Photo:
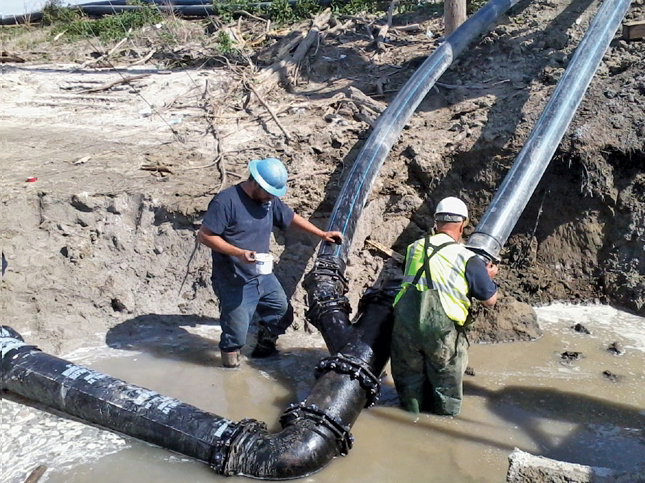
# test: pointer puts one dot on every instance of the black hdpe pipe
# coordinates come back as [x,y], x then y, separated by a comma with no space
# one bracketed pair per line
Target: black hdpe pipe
[500,218]
[186,8]
[325,284]
[183,10]
[314,431]
[389,125]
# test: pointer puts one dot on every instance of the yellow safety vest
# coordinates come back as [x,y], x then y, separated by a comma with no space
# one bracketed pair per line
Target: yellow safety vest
[447,272]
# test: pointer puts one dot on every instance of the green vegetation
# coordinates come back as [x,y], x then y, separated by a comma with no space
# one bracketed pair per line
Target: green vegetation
[74,24]
[352,7]
[473,5]
[224,43]
[8,33]
[282,12]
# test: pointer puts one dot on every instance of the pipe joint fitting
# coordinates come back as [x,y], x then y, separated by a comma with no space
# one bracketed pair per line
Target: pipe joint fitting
[380,296]
[321,307]
[326,288]
[356,369]
[300,412]
[326,276]
[223,456]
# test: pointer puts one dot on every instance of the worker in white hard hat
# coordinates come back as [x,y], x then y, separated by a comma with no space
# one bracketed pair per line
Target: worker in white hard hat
[237,228]
[429,344]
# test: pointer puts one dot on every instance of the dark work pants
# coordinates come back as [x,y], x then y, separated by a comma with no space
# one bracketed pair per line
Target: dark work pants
[429,355]
[239,303]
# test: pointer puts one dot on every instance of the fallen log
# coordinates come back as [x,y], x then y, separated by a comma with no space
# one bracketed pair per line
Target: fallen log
[7,57]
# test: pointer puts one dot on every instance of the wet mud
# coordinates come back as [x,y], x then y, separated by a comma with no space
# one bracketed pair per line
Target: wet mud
[522,395]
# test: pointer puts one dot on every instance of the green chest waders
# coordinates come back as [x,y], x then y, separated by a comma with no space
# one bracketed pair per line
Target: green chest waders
[428,355]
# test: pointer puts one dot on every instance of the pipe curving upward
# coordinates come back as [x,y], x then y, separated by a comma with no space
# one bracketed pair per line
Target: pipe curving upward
[353,196]
[325,284]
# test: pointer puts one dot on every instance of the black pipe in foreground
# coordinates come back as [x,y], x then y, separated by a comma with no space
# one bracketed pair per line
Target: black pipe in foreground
[513,195]
[314,431]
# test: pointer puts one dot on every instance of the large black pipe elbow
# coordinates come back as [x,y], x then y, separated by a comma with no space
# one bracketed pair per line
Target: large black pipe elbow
[298,450]
[318,429]
[314,431]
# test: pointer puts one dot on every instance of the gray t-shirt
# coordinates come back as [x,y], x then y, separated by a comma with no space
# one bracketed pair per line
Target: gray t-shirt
[246,224]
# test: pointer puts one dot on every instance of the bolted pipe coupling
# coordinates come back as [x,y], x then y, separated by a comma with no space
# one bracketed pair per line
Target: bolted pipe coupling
[326,288]
[356,369]
[229,437]
[299,412]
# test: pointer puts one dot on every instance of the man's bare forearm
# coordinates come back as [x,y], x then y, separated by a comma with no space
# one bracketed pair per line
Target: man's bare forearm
[217,243]
[309,227]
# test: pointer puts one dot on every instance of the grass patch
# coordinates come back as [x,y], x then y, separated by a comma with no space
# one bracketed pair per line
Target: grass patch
[11,32]
[284,12]
[19,38]
[74,24]
[281,12]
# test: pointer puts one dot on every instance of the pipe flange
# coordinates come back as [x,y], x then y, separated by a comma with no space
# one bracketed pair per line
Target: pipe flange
[326,270]
[329,305]
[297,412]
[222,453]
[356,369]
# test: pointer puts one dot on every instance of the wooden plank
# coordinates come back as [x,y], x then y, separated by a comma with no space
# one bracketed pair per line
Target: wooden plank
[388,251]
[634,30]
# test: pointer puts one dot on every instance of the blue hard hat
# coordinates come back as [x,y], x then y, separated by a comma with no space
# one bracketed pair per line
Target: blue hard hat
[270,174]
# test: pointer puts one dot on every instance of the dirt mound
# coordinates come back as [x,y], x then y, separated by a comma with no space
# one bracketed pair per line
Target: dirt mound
[508,321]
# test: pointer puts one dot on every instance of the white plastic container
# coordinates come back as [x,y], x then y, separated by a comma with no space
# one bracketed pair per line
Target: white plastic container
[264,263]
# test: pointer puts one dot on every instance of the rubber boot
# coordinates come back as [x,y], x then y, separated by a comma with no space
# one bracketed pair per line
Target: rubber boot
[231,360]
[266,344]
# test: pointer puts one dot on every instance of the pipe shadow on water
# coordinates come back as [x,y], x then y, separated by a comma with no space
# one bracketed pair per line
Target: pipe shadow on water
[164,336]
[597,432]
[603,432]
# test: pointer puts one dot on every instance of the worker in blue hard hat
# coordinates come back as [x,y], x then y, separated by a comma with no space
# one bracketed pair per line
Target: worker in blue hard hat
[429,344]
[237,228]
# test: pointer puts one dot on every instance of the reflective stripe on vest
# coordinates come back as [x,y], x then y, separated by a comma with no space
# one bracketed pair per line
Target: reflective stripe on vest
[448,273]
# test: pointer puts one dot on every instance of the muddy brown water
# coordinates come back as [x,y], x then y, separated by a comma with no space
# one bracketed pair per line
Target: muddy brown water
[522,395]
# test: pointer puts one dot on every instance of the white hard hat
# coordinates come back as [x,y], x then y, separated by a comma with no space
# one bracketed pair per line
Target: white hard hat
[451,209]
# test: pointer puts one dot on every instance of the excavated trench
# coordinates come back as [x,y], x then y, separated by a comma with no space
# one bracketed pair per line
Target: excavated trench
[127,237]
[125,260]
